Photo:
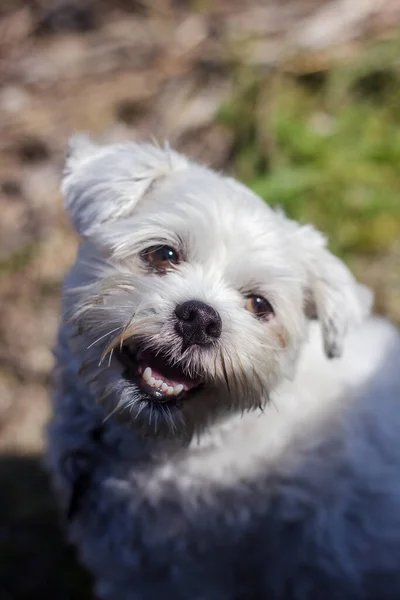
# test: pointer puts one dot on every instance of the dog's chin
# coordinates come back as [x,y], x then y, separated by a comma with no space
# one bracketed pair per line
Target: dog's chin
[159,382]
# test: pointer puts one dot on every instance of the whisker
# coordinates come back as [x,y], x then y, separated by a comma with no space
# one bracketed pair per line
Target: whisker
[235,381]
[105,395]
[260,383]
[114,410]
[102,337]
[132,329]
[223,364]
[155,422]
[215,366]
[171,422]
[243,379]
[142,406]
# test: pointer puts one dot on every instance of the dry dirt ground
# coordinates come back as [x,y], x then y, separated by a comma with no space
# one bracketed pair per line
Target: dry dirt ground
[121,70]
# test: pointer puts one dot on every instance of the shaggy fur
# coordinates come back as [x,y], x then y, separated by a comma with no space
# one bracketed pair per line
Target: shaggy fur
[278,479]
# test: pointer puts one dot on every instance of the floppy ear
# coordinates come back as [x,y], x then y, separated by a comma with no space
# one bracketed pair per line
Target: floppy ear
[104,183]
[332,294]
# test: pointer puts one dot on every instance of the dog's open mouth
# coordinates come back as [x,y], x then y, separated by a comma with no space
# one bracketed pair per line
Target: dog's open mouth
[156,377]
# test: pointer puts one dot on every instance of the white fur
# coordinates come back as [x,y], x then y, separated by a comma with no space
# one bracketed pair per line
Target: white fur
[279,427]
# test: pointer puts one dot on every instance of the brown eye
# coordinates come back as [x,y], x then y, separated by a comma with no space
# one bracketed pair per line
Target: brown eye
[260,307]
[160,258]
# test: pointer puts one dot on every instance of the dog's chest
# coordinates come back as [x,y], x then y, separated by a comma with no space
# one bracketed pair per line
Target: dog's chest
[222,459]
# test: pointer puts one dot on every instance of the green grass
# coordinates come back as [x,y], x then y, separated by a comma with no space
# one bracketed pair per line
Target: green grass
[18,260]
[326,146]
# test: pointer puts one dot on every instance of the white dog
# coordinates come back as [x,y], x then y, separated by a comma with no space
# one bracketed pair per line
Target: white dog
[204,445]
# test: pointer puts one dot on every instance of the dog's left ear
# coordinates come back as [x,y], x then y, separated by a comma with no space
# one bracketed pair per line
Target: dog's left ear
[332,294]
[104,183]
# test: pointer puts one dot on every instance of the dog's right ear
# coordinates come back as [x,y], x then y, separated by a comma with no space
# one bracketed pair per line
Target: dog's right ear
[104,183]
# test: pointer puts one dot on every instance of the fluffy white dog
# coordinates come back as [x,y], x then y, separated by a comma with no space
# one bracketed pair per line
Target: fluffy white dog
[204,444]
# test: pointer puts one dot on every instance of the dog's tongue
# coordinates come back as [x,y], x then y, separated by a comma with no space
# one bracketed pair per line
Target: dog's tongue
[172,375]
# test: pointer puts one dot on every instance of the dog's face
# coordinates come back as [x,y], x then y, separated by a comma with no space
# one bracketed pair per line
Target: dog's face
[190,296]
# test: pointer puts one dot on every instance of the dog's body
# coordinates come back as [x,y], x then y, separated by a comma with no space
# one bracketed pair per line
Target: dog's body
[269,470]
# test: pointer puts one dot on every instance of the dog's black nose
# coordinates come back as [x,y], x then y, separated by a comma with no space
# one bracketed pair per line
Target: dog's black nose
[198,323]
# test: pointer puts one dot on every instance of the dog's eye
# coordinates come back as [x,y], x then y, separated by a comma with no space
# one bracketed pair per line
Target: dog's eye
[259,306]
[160,257]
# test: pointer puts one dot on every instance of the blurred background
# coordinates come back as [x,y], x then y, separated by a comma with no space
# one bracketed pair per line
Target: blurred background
[298,98]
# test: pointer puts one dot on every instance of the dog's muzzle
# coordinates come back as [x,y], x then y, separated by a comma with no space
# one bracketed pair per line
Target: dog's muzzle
[197,324]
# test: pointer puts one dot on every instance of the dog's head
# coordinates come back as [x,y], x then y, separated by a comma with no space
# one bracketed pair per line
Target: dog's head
[190,296]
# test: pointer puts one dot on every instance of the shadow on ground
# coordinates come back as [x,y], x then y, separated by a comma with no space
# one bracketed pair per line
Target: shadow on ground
[35,561]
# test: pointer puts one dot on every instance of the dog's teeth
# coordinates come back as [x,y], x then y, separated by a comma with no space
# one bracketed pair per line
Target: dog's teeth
[160,384]
[147,374]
